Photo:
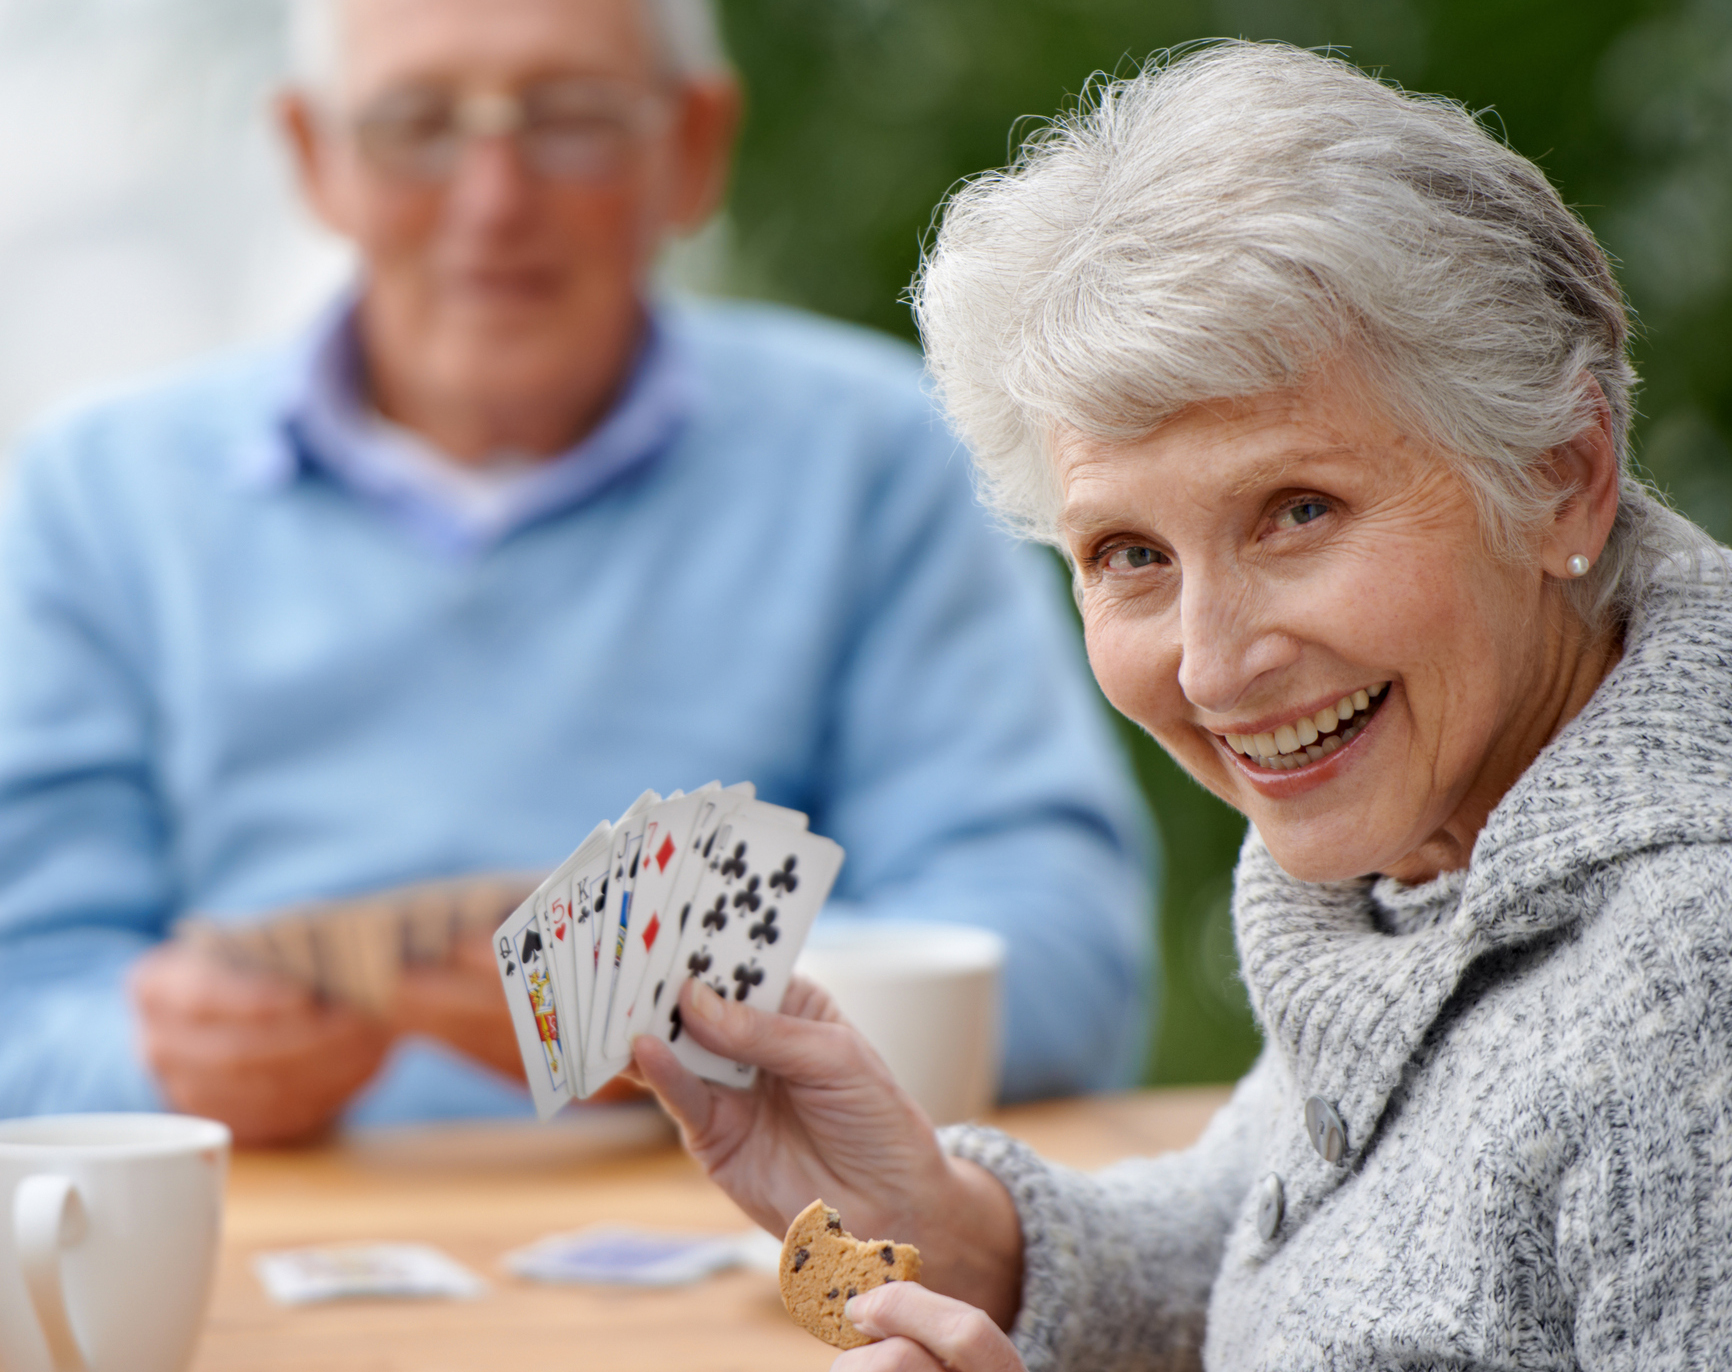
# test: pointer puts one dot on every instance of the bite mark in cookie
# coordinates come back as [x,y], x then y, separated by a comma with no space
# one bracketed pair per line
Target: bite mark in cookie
[823,1267]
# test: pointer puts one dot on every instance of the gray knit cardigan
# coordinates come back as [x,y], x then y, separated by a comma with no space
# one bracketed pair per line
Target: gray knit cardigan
[1534,1079]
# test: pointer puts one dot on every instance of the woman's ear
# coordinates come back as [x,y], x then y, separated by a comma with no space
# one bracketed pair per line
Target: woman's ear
[1586,471]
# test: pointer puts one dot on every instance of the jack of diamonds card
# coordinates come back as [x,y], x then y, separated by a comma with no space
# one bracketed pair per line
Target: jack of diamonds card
[608,896]
[521,955]
[761,889]
[628,841]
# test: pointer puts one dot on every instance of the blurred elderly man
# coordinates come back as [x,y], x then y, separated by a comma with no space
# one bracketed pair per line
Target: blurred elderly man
[502,541]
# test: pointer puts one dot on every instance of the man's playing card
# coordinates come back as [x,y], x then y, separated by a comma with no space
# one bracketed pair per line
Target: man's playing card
[761,888]
[297,952]
[522,957]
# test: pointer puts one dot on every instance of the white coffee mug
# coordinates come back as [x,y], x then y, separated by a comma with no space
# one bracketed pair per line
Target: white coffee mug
[108,1240]
[926,996]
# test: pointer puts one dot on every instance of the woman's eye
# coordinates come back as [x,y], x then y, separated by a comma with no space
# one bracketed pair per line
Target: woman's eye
[1130,559]
[1302,513]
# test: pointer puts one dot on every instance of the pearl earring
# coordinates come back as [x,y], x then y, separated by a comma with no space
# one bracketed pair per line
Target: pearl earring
[1578,565]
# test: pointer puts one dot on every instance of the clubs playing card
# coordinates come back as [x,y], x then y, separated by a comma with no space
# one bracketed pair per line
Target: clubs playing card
[715,811]
[715,884]
[522,957]
[760,890]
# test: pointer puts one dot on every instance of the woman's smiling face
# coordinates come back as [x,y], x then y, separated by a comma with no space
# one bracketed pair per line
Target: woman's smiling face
[1250,573]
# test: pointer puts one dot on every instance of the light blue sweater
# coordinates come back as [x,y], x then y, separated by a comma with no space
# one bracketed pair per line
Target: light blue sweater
[225,691]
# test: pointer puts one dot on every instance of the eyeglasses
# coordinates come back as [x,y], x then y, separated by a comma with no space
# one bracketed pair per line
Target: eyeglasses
[567,130]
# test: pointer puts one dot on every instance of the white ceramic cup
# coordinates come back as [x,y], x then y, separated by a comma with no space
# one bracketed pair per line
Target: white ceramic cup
[108,1240]
[927,997]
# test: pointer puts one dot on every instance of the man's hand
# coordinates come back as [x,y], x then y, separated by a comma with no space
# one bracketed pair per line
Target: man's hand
[462,1004]
[826,1119]
[922,1331]
[256,1052]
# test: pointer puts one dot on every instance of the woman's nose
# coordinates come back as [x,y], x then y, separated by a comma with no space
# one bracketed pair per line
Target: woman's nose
[1229,636]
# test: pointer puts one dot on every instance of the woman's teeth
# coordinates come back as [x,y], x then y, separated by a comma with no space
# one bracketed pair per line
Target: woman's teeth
[1306,740]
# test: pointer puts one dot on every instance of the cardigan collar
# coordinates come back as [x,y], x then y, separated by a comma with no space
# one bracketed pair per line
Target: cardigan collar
[1647,762]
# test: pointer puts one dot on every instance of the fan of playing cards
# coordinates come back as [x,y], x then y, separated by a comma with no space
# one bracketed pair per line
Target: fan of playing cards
[352,951]
[713,884]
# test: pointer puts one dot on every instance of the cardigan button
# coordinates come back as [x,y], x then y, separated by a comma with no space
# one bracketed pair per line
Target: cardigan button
[1328,1135]
[1271,1203]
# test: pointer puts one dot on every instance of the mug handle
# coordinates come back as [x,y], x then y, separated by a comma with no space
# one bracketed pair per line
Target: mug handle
[47,1216]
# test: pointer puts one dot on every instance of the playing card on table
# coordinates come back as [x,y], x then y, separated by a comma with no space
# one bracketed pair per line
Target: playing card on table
[299,1276]
[761,889]
[610,1255]
[521,954]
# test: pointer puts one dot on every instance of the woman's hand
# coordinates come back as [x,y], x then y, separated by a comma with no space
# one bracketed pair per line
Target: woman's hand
[826,1119]
[921,1331]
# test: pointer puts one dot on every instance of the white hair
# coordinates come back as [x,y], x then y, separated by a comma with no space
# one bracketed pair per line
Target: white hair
[686,30]
[1231,220]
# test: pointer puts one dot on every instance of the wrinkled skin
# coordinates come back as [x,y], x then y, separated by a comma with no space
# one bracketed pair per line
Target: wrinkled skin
[1244,563]
[825,1119]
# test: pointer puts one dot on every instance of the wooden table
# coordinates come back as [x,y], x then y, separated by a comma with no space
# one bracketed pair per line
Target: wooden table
[478,1202]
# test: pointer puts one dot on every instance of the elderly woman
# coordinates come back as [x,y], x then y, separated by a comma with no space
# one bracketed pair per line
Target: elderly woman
[1323,392]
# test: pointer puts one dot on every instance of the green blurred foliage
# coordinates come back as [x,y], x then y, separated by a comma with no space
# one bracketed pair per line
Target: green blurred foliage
[864,112]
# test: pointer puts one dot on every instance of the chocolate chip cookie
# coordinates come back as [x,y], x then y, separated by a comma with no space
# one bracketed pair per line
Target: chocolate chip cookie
[822,1266]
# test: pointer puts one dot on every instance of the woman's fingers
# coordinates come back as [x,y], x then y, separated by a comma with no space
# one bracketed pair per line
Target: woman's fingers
[807,1000]
[807,1051]
[688,1097]
[888,1355]
[958,1336]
